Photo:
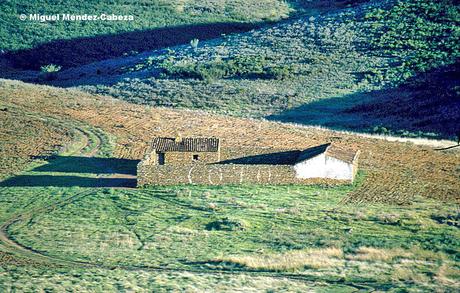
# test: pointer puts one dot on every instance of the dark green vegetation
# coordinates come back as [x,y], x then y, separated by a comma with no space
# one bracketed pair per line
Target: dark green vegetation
[156,24]
[236,67]
[423,34]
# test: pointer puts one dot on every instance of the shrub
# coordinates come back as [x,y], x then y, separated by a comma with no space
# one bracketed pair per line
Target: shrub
[194,43]
[49,72]
[280,72]
[381,130]
[227,224]
[451,219]
[50,68]
[241,66]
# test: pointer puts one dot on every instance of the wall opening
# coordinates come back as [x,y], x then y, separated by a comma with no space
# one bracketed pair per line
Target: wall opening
[161,158]
[196,157]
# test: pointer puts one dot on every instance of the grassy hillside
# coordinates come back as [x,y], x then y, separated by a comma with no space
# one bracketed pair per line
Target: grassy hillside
[427,105]
[72,229]
[299,240]
[283,70]
[156,24]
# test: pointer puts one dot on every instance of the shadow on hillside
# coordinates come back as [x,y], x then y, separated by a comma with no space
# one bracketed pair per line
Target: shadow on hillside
[66,181]
[80,51]
[84,50]
[278,158]
[425,104]
[61,169]
[71,164]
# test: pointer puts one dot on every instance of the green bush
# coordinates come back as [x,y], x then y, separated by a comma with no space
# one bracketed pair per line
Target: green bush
[280,72]
[50,68]
[227,224]
[381,130]
[49,72]
[250,66]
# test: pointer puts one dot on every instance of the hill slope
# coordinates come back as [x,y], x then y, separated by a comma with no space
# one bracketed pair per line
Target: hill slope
[56,234]
[283,71]
[395,172]
[154,24]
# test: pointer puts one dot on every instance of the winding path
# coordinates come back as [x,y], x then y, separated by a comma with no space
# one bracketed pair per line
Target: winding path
[31,254]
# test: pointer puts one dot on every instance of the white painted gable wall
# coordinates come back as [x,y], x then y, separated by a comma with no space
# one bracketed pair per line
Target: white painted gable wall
[312,168]
[324,167]
[338,169]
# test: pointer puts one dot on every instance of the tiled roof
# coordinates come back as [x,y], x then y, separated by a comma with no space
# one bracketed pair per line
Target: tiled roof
[346,155]
[188,144]
[330,150]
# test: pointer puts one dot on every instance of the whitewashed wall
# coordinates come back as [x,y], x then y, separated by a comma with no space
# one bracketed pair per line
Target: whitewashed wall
[337,169]
[312,168]
[322,166]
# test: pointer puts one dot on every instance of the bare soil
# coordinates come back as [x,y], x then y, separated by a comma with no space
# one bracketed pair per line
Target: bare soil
[395,172]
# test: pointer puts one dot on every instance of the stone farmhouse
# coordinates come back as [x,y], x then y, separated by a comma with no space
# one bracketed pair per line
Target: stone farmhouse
[178,151]
[171,161]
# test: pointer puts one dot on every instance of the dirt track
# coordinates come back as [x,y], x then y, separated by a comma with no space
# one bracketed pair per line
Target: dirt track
[80,150]
[394,170]
[32,255]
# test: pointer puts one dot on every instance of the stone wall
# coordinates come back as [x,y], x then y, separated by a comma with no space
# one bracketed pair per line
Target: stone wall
[218,174]
[179,158]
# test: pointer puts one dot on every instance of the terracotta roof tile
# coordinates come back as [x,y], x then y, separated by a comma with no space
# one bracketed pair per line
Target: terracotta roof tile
[346,155]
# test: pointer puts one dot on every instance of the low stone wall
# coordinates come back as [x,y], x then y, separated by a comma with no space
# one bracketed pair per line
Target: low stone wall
[218,174]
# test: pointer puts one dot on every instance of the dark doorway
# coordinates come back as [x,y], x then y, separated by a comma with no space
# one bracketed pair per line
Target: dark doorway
[161,158]
[196,157]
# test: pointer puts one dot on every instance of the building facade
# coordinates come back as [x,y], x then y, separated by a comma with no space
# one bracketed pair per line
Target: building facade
[197,161]
[327,161]
[182,151]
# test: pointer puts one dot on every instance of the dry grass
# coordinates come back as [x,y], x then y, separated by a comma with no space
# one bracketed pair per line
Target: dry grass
[23,135]
[448,274]
[409,275]
[395,172]
[292,260]
[378,254]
